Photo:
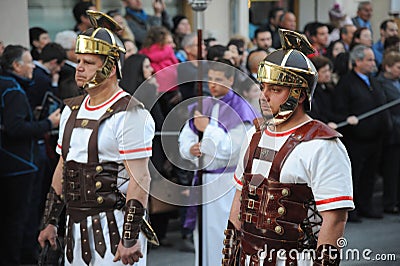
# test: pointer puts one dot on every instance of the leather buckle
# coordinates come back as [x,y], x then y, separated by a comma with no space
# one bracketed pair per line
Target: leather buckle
[228,232]
[74,197]
[250,204]
[127,235]
[128,227]
[72,173]
[248,217]
[252,190]
[227,251]
[73,185]
[132,209]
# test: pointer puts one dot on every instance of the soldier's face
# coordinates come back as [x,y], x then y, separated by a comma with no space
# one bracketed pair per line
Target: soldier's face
[87,66]
[272,97]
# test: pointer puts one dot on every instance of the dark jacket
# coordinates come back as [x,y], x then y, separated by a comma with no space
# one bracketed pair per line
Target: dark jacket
[19,129]
[322,106]
[392,93]
[354,97]
[42,83]
[67,87]
[139,26]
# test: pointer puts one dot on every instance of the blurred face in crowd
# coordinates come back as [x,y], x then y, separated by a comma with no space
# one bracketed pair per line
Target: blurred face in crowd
[275,20]
[44,39]
[349,35]
[130,48]
[219,84]
[365,13]
[394,70]
[71,55]
[391,30]
[170,41]
[134,4]
[289,21]
[338,48]
[365,38]
[322,37]
[324,74]
[264,40]
[192,49]
[391,65]
[147,69]
[367,64]
[55,66]
[183,27]
[24,67]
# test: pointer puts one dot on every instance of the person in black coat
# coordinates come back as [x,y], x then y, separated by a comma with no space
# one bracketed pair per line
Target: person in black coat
[388,81]
[354,95]
[19,135]
[322,103]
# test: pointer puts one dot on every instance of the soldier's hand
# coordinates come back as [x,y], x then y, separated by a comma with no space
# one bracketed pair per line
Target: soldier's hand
[129,255]
[48,234]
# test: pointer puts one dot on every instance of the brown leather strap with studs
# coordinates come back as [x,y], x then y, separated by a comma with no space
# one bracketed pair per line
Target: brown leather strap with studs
[98,236]
[327,255]
[69,242]
[86,253]
[113,231]
[231,246]
[132,221]
[54,207]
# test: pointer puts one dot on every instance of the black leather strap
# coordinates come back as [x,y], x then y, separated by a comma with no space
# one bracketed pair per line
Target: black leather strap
[132,222]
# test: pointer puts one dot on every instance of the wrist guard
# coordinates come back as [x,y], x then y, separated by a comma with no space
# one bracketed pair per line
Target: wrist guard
[53,208]
[327,255]
[132,222]
[230,251]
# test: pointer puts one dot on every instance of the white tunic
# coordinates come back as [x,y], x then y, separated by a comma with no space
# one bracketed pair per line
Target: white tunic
[220,149]
[125,135]
[322,164]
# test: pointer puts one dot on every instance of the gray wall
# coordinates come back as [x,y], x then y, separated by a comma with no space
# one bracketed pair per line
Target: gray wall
[14,22]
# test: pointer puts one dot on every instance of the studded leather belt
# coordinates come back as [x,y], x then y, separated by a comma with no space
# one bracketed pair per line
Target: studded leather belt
[90,189]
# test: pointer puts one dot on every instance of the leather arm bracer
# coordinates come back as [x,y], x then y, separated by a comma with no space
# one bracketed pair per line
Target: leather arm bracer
[132,222]
[327,255]
[53,208]
[231,245]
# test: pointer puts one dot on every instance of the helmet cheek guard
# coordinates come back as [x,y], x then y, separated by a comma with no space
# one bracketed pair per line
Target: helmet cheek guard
[291,68]
[101,41]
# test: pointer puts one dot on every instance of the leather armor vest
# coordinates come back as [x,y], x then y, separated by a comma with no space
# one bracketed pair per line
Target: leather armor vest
[91,188]
[273,214]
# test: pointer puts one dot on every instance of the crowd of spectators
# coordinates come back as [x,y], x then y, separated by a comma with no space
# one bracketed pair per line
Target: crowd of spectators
[355,76]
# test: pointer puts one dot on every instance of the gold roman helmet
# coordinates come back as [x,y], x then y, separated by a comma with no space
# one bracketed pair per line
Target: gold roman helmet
[102,40]
[290,67]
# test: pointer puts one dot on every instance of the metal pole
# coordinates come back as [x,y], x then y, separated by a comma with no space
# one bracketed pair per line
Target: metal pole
[200,171]
[372,112]
[199,6]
